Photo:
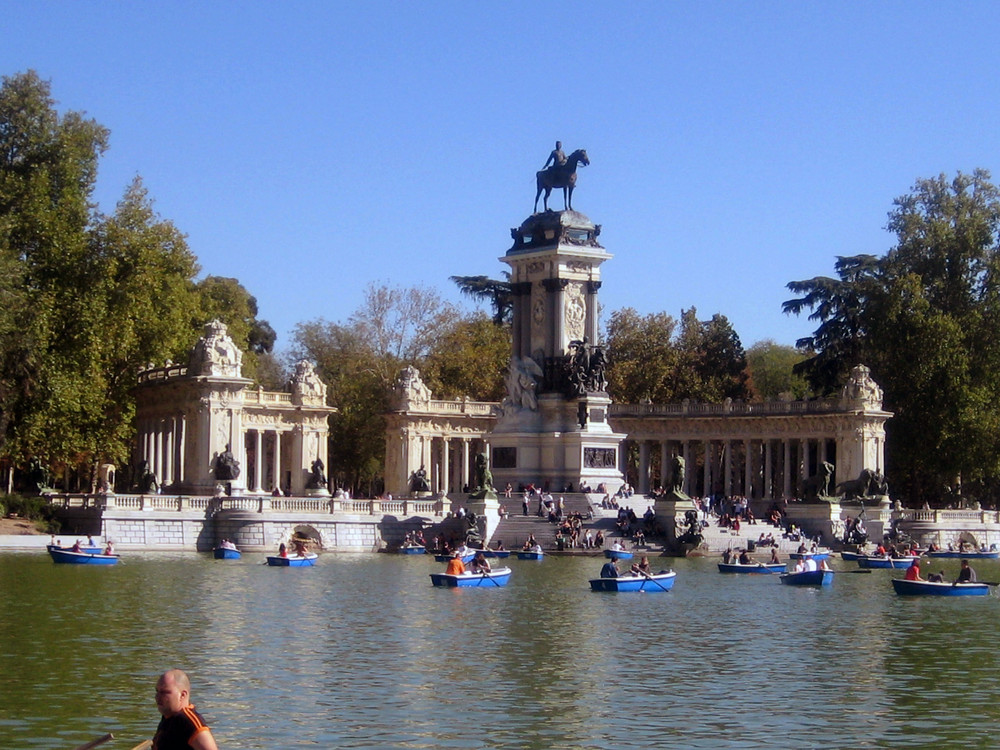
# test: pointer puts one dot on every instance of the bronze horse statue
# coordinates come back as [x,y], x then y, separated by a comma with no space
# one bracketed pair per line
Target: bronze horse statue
[560,176]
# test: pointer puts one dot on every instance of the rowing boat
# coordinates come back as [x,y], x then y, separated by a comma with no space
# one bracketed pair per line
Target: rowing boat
[808,578]
[530,555]
[413,549]
[292,561]
[657,582]
[226,553]
[935,588]
[752,568]
[954,555]
[898,563]
[617,554]
[81,558]
[498,577]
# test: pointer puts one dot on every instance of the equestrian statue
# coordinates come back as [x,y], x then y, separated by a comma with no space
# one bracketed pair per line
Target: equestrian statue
[562,174]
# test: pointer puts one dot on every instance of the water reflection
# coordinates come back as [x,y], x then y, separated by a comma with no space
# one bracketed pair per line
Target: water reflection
[361,651]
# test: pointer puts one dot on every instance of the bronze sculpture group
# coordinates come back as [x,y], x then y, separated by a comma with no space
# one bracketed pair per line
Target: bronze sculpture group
[562,174]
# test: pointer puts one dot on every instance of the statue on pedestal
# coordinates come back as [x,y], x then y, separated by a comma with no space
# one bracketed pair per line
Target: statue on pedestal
[418,481]
[227,468]
[559,175]
[317,479]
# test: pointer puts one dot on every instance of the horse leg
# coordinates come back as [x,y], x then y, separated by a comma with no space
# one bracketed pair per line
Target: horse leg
[568,191]
[545,201]
[535,210]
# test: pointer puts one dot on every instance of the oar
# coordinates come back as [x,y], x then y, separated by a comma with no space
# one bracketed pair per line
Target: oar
[650,578]
[145,745]
[98,741]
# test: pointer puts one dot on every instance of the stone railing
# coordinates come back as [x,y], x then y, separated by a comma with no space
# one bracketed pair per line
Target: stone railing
[733,408]
[162,373]
[266,398]
[251,504]
[948,516]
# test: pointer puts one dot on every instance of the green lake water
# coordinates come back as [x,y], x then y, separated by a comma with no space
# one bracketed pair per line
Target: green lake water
[362,652]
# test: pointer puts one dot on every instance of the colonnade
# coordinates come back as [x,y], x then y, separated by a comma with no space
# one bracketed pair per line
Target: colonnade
[161,441]
[448,461]
[755,468]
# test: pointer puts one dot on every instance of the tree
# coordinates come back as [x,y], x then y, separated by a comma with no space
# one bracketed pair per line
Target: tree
[643,357]
[771,367]
[360,361]
[924,318]
[226,299]
[496,292]
[468,358]
[713,365]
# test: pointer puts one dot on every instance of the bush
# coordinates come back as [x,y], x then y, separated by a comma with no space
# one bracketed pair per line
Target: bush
[32,508]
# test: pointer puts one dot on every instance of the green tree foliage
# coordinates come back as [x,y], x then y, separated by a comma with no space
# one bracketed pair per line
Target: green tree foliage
[653,358]
[86,299]
[496,292]
[468,358]
[226,299]
[771,367]
[924,318]
[360,361]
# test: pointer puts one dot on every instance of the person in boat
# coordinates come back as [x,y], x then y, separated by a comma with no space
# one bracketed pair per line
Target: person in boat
[966,574]
[529,542]
[181,726]
[499,547]
[455,565]
[802,549]
[618,546]
[610,569]
[774,556]
[823,566]
[800,565]
[480,564]
[936,577]
[726,556]
[745,558]
[301,547]
[913,572]
[643,566]
[76,546]
[109,548]
[282,550]
[536,548]
[90,541]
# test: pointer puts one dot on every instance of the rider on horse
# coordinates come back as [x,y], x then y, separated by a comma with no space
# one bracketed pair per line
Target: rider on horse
[557,158]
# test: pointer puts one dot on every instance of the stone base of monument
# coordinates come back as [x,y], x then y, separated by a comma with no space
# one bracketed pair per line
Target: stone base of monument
[819,518]
[486,505]
[316,492]
[562,445]
[422,495]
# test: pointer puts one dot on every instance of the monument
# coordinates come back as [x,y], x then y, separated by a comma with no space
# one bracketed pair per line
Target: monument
[552,429]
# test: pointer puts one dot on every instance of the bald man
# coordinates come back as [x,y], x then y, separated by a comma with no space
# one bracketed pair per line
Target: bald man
[181,727]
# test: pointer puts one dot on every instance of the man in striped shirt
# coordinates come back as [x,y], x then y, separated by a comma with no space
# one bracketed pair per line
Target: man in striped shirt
[181,727]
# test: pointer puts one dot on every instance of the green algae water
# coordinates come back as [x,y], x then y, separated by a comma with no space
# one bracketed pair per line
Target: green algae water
[362,652]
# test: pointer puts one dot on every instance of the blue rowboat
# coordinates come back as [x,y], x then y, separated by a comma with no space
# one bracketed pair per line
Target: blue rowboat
[445,558]
[849,556]
[823,554]
[499,553]
[90,550]
[652,584]
[808,578]
[292,561]
[412,550]
[752,568]
[498,577]
[898,563]
[617,554]
[931,588]
[523,555]
[226,553]
[952,555]
[81,558]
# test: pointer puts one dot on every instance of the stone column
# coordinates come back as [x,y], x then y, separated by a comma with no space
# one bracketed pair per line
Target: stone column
[727,468]
[707,475]
[803,460]
[664,463]
[768,488]
[787,489]
[157,467]
[643,487]
[465,463]
[168,452]
[258,464]
[277,459]
[686,452]
[181,449]
[592,323]
[748,468]
[445,472]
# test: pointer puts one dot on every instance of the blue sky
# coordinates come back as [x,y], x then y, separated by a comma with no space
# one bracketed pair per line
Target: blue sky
[312,148]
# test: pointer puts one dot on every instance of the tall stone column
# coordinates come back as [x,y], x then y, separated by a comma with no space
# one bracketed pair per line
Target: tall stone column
[258,464]
[593,323]
[685,483]
[707,474]
[727,468]
[643,487]
[748,457]
[787,488]
[277,459]
[465,462]
[768,488]
[168,452]
[445,470]
[664,463]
